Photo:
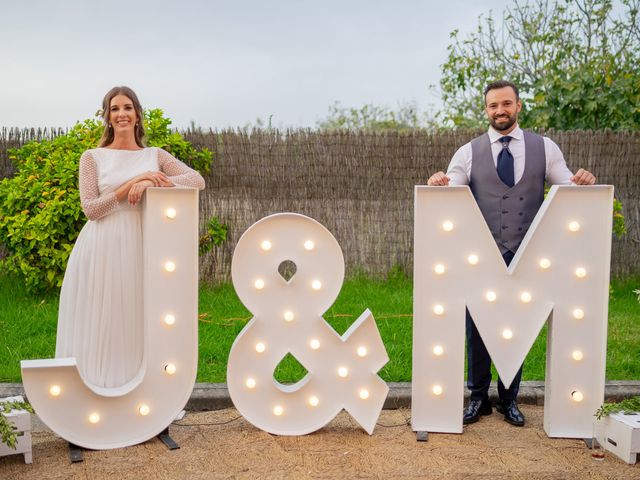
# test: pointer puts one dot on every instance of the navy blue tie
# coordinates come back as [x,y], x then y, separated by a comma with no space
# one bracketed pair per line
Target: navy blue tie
[505,163]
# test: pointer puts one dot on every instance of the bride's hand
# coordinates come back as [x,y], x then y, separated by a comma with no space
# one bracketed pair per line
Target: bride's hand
[159,179]
[137,189]
[168,183]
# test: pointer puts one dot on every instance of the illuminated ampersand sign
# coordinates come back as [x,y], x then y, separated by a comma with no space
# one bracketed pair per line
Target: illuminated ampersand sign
[288,319]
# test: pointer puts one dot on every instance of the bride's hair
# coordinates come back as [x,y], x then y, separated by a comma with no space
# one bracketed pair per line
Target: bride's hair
[107,134]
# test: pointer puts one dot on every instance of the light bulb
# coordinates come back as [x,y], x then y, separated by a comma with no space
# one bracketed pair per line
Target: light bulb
[439,269]
[315,344]
[258,284]
[55,390]
[343,372]
[438,309]
[170,213]
[313,401]
[472,259]
[144,410]
[544,263]
[577,355]
[578,314]
[581,272]
[170,267]
[437,390]
[574,226]
[438,350]
[577,396]
[491,296]
[288,316]
[362,351]
[316,284]
[308,245]
[507,334]
[94,417]
[250,383]
[260,347]
[447,226]
[170,368]
[278,410]
[364,394]
[525,297]
[266,245]
[169,319]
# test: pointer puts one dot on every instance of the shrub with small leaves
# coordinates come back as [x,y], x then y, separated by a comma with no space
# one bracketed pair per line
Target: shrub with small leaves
[160,135]
[619,226]
[7,430]
[215,235]
[629,405]
[40,212]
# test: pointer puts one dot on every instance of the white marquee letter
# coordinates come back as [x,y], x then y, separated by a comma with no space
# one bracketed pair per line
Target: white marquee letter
[560,272]
[102,418]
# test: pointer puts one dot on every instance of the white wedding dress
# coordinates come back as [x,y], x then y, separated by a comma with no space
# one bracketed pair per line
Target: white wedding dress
[101,318]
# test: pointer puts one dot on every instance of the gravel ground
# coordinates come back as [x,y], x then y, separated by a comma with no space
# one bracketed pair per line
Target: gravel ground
[233,448]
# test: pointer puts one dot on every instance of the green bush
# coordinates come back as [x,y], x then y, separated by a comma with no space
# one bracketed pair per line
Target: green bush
[619,225]
[215,235]
[40,212]
[160,135]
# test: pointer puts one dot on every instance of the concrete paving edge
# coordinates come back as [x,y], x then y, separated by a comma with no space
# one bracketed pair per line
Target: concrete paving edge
[215,396]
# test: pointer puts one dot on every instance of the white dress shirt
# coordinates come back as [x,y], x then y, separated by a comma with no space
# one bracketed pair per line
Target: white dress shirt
[557,173]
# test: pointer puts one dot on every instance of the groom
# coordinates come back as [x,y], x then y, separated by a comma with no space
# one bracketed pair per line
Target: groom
[506,169]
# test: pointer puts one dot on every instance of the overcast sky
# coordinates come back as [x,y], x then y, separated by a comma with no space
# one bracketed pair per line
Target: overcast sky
[224,63]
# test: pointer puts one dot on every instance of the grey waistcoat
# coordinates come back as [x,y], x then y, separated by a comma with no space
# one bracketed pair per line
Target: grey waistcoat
[508,211]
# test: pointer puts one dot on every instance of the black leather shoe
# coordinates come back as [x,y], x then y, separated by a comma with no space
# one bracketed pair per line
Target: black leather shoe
[512,413]
[476,408]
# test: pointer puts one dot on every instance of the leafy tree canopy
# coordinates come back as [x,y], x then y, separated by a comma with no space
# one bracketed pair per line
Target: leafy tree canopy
[372,117]
[575,61]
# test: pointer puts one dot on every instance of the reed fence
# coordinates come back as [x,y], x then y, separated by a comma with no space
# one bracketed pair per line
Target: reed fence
[360,185]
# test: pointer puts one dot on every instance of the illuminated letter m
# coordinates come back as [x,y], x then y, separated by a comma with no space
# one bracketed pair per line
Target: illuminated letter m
[560,273]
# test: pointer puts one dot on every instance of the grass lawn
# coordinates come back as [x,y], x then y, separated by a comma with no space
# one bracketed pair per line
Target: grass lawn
[28,328]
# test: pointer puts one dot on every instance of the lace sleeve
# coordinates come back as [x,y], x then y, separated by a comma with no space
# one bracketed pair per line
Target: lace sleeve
[178,172]
[93,205]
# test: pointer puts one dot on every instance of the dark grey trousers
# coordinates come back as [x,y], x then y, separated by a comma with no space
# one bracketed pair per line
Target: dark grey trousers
[479,362]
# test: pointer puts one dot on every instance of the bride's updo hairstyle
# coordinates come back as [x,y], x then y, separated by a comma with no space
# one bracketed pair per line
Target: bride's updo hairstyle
[107,134]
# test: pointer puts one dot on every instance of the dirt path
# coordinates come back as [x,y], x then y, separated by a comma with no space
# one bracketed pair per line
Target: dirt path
[489,449]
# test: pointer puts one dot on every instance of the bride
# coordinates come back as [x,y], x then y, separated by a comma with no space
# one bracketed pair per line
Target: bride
[100,319]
